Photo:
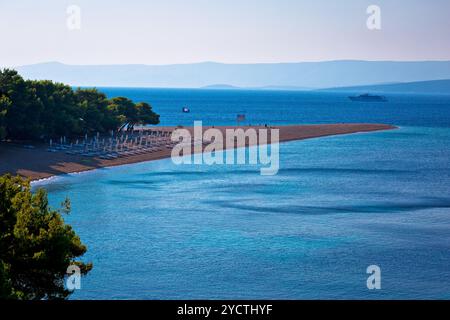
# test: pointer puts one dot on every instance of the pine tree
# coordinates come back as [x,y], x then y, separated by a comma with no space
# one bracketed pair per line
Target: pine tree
[36,246]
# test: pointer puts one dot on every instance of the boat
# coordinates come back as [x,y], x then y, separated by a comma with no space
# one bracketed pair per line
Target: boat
[185,110]
[368,98]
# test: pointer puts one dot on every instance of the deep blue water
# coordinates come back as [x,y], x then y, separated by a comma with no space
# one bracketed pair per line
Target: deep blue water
[338,204]
[220,107]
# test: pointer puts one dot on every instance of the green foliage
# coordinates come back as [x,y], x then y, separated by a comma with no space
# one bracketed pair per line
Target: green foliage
[22,104]
[40,109]
[132,114]
[36,246]
[146,114]
[5,103]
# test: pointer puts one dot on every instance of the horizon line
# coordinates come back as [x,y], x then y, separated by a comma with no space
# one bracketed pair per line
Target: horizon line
[223,63]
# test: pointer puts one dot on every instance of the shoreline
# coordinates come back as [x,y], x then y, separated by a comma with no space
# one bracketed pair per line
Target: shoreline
[37,164]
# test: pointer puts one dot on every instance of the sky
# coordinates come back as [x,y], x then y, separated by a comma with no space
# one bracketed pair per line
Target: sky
[228,31]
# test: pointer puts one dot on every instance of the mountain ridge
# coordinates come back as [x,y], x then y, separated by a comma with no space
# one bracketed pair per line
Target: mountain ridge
[441,86]
[313,75]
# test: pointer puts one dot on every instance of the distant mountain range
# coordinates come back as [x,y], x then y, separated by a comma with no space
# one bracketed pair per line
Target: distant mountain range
[229,87]
[221,87]
[293,76]
[420,87]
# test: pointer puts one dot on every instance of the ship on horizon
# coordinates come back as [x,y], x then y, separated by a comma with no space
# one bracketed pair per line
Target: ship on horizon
[368,98]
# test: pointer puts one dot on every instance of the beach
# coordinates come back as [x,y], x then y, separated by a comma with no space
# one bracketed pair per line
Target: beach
[37,163]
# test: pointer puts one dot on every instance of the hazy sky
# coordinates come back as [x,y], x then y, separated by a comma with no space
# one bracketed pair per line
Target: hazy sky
[230,31]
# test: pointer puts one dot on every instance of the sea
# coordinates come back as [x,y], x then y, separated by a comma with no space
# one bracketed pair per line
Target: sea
[339,206]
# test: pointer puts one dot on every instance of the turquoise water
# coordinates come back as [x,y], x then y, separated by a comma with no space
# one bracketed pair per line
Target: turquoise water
[338,204]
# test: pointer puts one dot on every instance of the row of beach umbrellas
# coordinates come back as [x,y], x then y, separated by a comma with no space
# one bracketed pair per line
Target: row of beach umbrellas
[116,146]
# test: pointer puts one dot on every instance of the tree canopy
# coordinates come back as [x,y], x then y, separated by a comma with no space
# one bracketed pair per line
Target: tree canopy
[31,109]
[36,246]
